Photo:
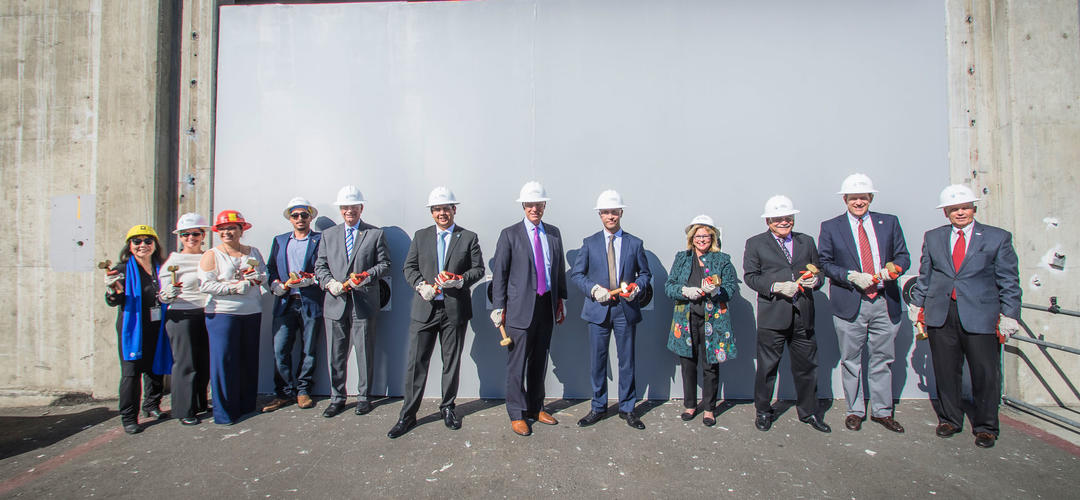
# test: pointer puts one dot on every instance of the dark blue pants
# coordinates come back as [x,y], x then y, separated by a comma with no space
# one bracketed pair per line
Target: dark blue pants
[287,383]
[599,339]
[526,362]
[234,364]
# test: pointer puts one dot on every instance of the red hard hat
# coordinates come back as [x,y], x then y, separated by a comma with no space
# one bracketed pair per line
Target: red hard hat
[225,217]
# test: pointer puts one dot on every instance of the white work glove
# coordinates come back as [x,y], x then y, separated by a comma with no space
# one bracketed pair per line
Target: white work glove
[600,294]
[427,292]
[277,288]
[692,292]
[861,280]
[885,275]
[169,293]
[240,287]
[112,279]
[1008,326]
[913,313]
[497,317]
[304,282]
[335,288]
[785,288]
[708,288]
[633,293]
[256,278]
[456,283]
[810,282]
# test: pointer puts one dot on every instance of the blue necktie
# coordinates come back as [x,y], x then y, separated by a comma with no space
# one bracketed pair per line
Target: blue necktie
[349,242]
[442,250]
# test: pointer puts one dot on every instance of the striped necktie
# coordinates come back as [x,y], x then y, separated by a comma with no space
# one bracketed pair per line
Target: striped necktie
[349,242]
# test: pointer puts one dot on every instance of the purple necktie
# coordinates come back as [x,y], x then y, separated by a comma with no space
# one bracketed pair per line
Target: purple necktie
[538,260]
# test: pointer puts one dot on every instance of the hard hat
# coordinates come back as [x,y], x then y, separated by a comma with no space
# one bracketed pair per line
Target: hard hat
[141,230]
[299,202]
[609,199]
[956,194]
[349,195]
[225,217]
[856,184]
[532,192]
[779,206]
[441,195]
[190,221]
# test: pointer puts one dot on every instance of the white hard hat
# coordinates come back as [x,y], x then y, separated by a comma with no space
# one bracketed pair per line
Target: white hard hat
[190,221]
[955,195]
[299,202]
[702,219]
[779,206]
[441,196]
[856,184]
[532,192]
[349,195]
[609,199]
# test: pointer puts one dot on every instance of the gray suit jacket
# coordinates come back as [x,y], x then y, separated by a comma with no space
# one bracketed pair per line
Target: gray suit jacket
[987,283]
[463,257]
[513,281]
[370,253]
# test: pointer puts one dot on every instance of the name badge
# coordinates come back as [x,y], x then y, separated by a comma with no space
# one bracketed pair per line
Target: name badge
[155,313]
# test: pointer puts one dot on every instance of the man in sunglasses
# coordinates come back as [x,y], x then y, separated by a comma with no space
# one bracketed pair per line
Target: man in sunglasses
[297,306]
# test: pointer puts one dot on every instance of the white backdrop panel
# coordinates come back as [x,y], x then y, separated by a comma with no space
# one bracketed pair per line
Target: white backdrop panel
[687,107]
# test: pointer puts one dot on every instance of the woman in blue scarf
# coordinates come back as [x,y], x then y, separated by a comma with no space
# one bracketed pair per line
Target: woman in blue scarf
[133,286]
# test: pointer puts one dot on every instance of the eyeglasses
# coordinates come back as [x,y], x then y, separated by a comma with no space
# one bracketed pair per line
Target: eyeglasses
[142,241]
[192,233]
[702,236]
[300,215]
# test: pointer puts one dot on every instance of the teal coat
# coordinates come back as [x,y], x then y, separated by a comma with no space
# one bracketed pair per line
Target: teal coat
[719,341]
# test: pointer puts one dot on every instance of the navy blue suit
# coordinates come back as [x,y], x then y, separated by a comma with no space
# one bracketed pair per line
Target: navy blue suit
[590,269]
[839,253]
[294,313]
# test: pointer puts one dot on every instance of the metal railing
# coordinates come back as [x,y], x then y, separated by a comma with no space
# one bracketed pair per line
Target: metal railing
[1053,308]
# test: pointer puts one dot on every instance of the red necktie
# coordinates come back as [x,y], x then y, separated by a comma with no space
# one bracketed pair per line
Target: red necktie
[958,250]
[867,257]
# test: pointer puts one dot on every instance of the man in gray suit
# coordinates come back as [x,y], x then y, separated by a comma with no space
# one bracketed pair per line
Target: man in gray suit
[968,290]
[352,257]
[444,260]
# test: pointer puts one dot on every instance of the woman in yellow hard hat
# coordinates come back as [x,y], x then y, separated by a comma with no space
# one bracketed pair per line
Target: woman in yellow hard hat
[144,348]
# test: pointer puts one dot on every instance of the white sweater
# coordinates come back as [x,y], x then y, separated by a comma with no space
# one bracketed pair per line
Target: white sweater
[190,297]
[226,272]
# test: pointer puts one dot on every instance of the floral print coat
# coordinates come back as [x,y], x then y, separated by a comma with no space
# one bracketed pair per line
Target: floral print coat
[719,341]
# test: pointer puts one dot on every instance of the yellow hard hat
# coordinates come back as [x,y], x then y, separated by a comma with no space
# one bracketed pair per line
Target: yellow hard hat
[141,230]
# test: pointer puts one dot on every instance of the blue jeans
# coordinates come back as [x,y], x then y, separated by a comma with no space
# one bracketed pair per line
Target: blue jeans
[285,327]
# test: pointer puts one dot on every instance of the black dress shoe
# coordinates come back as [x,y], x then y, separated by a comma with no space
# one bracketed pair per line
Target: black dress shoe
[155,414]
[401,427]
[132,428]
[363,407]
[592,418]
[632,420]
[333,410]
[817,424]
[189,421]
[985,439]
[450,419]
[763,421]
[945,430]
[688,416]
[708,421]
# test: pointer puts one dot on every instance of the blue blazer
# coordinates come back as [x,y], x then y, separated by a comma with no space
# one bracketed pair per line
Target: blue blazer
[839,254]
[277,266]
[513,281]
[591,268]
[987,283]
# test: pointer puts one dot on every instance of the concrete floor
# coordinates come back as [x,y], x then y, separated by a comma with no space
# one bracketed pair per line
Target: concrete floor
[79,451]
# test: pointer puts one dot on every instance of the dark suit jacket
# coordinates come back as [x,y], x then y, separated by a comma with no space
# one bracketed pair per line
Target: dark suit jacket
[590,269]
[987,283]
[513,282]
[370,253]
[277,266]
[764,264]
[462,257]
[840,254]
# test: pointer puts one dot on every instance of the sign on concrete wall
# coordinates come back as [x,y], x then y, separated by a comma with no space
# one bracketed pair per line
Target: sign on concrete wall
[684,107]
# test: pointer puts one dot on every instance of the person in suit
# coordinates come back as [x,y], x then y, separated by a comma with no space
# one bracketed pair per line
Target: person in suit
[442,306]
[607,259]
[773,264]
[855,248]
[297,305]
[968,289]
[352,256]
[528,289]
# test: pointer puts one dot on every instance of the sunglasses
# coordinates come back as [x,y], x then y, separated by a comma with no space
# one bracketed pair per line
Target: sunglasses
[142,241]
[300,215]
[192,233]
[228,228]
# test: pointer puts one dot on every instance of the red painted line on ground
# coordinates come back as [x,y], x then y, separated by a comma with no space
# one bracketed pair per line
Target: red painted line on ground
[57,461]
[1036,432]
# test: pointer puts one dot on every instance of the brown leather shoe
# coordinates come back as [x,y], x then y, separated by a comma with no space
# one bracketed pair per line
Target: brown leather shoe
[985,439]
[889,423]
[520,427]
[276,404]
[545,418]
[304,401]
[945,430]
[853,422]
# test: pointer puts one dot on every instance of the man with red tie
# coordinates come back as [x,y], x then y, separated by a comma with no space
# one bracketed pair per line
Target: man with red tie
[968,290]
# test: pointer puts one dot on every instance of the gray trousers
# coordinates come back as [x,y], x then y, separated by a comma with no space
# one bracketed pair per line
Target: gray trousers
[873,330]
[360,332]
[422,336]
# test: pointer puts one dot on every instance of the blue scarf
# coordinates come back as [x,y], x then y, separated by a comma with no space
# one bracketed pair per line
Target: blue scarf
[131,335]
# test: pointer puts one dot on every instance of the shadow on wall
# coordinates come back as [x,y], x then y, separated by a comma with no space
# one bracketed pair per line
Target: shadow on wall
[485,351]
[656,365]
[737,375]
[392,337]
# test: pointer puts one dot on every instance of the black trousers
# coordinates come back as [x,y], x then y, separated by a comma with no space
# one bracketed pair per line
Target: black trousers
[132,371]
[710,382]
[422,336]
[950,346]
[191,361]
[526,362]
[803,347]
